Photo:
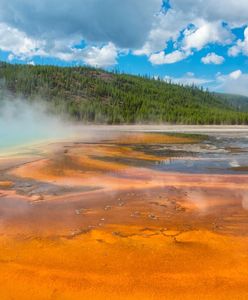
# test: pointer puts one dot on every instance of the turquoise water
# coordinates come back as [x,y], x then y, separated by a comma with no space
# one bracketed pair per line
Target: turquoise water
[14,137]
[22,123]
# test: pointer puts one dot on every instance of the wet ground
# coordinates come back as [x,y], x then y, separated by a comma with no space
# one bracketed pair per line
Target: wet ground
[130,215]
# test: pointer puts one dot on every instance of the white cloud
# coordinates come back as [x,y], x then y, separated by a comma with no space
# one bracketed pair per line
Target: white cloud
[124,23]
[236,74]
[206,17]
[165,27]
[241,46]
[162,58]
[232,11]
[22,47]
[233,83]
[213,58]
[54,27]
[101,57]
[234,50]
[205,34]
[188,79]
[17,42]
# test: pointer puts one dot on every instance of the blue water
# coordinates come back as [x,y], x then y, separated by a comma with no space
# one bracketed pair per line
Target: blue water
[22,123]
[20,136]
[222,154]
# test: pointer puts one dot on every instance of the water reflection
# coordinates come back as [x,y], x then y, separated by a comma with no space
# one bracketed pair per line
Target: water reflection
[220,155]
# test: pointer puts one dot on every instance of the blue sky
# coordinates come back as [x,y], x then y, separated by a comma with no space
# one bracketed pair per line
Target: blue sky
[186,41]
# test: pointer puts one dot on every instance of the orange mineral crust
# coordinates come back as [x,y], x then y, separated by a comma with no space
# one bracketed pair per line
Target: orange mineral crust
[97,221]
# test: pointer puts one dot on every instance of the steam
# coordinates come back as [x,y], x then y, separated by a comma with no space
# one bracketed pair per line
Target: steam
[24,122]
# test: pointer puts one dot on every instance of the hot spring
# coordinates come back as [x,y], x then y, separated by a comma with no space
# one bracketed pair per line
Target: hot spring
[24,123]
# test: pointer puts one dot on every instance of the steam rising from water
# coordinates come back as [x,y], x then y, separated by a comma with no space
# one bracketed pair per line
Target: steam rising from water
[23,122]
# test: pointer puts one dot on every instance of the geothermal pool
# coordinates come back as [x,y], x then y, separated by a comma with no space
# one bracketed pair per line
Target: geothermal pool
[126,214]
[23,123]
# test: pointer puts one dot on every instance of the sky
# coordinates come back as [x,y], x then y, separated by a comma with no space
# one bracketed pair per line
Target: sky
[204,42]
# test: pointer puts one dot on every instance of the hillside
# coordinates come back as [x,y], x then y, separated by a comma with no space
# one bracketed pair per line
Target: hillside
[93,95]
[236,101]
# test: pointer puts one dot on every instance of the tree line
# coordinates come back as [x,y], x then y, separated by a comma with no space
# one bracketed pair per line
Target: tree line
[92,95]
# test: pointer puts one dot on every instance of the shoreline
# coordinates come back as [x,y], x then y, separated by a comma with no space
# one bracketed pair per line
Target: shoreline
[95,133]
[174,128]
[194,129]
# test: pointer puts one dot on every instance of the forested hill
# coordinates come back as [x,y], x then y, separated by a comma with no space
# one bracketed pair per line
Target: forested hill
[93,95]
[236,101]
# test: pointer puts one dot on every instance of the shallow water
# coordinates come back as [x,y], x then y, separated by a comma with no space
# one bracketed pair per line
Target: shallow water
[22,123]
[214,155]
[14,137]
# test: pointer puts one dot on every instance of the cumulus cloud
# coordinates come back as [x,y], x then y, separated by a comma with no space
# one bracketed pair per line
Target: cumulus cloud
[193,29]
[213,58]
[188,79]
[241,46]
[166,27]
[205,34]
[53,28]
[101,57]
[210,23]
[23,47]
[232,11]
[235,74]
[17,42]
[125,23]
[162,58]
[234,83]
